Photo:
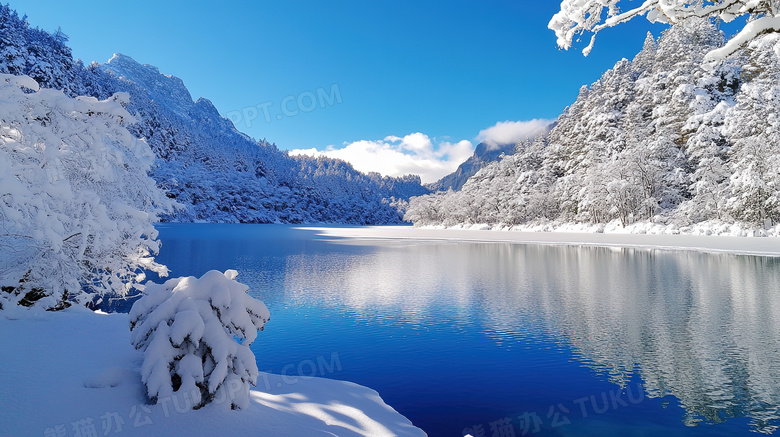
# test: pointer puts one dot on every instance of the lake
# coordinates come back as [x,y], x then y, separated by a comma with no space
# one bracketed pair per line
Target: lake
[512,339]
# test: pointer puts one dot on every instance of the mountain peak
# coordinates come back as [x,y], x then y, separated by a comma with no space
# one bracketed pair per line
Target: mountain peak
[158,86]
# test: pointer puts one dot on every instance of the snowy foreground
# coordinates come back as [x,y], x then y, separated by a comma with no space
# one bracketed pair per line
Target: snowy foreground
[765,246]
[74,373]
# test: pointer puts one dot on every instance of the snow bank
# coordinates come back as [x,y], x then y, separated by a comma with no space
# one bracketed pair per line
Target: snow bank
[74,372]
[747,245]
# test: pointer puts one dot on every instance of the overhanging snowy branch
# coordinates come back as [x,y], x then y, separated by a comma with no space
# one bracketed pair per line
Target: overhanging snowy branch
[748,33]
[580,16]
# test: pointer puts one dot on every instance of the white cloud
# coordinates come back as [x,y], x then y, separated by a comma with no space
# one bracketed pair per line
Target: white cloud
[418,154]
[397,156]
[511,132]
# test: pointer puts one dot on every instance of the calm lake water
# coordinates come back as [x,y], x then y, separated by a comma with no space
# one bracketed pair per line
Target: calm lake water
[511,340]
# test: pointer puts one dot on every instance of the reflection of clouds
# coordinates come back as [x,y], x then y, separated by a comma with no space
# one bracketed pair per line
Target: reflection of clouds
[704,328]
[403,278]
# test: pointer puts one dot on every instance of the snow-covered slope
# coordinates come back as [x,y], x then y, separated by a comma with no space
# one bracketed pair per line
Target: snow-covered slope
[74,373]
[657,139]
[215,172]
[223,175]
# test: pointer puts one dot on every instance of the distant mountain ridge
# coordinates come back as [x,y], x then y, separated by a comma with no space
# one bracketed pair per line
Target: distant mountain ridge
[215,172]
[483,155]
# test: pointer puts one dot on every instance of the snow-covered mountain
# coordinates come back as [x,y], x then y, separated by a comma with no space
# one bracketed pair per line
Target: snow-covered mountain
[658,140]
[226,176]
[483,155]
[215,172]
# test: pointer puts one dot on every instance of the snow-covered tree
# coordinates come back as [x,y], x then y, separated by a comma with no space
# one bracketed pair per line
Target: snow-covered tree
[77,207]
[753,125]
[195,334]
[579,16]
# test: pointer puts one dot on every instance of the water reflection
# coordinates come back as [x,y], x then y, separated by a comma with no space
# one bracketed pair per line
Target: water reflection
[703,328]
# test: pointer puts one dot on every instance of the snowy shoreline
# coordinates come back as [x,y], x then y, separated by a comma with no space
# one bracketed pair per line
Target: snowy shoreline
[759,246]
[74,372]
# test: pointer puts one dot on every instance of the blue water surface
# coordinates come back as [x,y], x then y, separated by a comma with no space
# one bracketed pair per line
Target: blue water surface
[498,339]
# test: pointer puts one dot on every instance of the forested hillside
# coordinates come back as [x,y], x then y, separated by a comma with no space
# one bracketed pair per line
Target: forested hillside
[214,172]
[662,139]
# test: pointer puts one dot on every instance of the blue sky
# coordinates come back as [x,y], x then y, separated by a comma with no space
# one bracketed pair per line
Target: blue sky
[352,72]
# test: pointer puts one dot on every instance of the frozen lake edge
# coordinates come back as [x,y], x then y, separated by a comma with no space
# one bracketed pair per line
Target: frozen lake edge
[758,246]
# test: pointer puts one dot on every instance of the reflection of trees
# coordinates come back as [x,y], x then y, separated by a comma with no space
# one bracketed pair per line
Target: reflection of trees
[703,328]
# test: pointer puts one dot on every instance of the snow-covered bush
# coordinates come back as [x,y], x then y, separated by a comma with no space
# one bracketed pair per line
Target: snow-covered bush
[195,335]
[77,206]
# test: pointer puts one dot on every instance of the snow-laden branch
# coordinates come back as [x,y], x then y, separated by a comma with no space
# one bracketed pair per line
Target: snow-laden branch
[747,34]
[577,17]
